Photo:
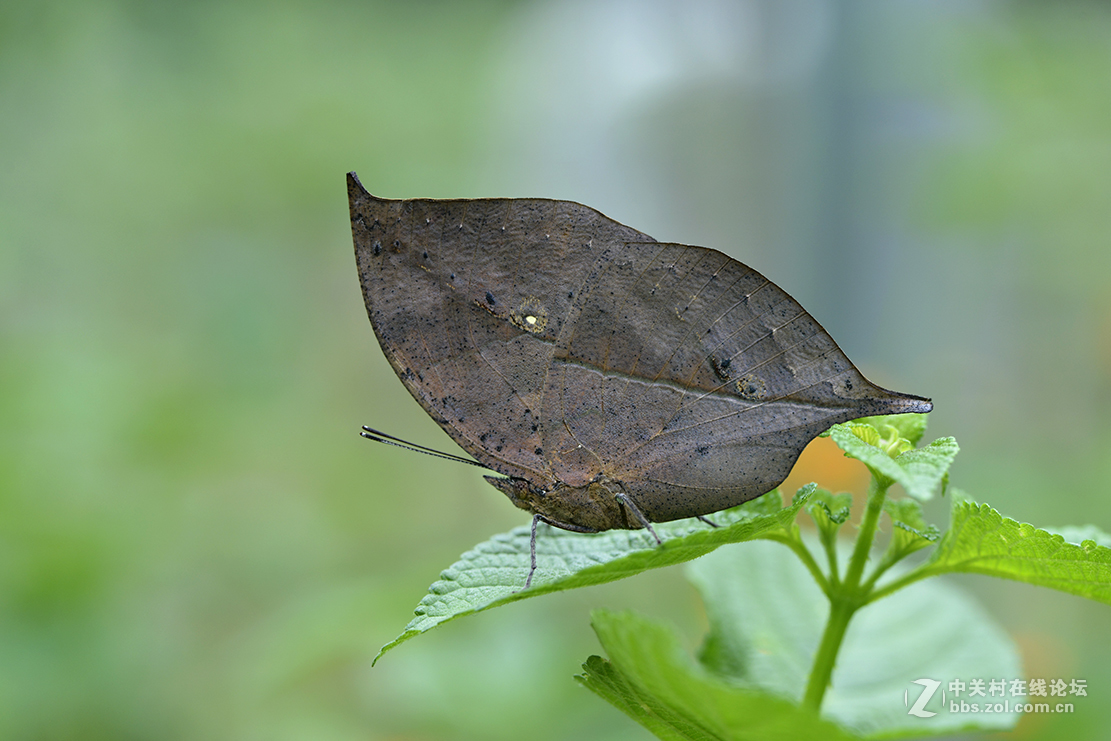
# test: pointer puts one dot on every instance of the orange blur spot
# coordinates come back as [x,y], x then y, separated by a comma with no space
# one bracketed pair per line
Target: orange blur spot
[823,463]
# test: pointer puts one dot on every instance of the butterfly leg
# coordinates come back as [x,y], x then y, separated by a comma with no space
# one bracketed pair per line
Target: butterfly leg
[532,552]
[708,522]
[532,541]
[628,502]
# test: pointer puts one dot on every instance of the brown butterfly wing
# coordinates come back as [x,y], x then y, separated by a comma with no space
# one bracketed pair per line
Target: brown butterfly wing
[695,382]
[556,345]
[468,298]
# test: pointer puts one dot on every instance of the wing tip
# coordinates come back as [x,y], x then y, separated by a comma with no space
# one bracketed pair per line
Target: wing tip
[354,187]
[906,404]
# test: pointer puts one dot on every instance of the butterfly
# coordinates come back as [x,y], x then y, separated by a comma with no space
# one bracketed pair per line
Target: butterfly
[612,381]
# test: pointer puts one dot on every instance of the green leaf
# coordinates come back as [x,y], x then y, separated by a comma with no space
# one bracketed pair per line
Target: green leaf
[910,531]
[493,573]
[766,621]
[1078,534]
[604,680]
[919,470]
[651,678]
[982,541]
[829,510]
[910,426]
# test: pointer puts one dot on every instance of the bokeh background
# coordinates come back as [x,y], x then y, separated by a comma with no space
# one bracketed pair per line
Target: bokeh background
[194,541]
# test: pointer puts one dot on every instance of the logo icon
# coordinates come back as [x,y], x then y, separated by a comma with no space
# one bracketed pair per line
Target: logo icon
[918,709]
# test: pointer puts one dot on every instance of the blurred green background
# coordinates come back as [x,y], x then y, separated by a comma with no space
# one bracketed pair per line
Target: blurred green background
[194,541]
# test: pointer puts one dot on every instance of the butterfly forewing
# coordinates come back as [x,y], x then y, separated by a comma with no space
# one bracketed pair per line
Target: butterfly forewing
[467,298]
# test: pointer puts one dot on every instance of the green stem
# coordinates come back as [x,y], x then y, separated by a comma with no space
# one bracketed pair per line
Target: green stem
[880,570]
[830,545]
[844,601]
[800,549]
[903,581]
[876,494]
[840,612]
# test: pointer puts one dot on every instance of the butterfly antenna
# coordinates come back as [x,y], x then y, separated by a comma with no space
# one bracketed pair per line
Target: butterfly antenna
[382,437]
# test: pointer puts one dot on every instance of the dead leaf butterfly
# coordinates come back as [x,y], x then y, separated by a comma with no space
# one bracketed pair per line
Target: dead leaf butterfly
[612,380]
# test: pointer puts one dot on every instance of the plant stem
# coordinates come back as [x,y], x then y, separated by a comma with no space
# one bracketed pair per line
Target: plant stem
[922,572]
[800,550]
[840,612]
[830,546]
[844,600]
[876,494]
